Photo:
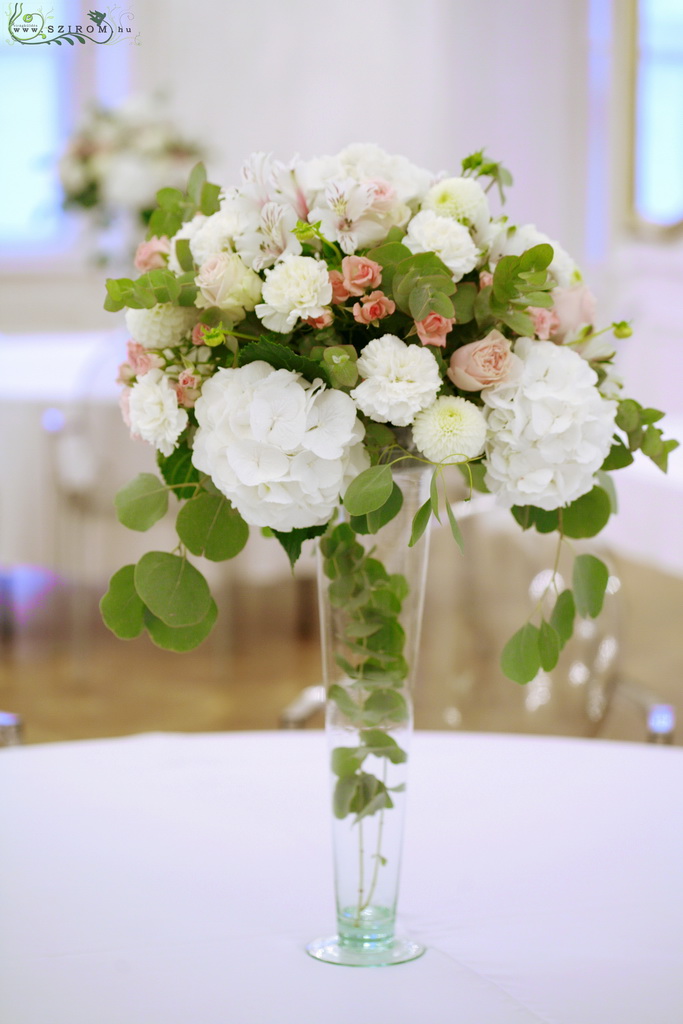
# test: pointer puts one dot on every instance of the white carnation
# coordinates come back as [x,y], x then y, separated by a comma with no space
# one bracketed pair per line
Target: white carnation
[462,199]
[549,430]
[297,288]
[162,326]
[513,241]
[154,412]
[450,430]
[368,162]
[281,449]
[400,380]
[428,232]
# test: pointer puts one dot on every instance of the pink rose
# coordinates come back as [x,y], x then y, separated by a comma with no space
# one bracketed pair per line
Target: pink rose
[187,389]
[339,292]
[546,321]
[198,332]
[150,255]
[483,363]
[141,360]
[485,279]
[359,273]
[319,322]
[124,406]
[372,308]
[575,308]
[384,196]
[434,328]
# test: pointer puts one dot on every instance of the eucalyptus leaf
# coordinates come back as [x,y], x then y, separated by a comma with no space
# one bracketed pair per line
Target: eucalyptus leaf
[172,588]
[587,516]
[208,525]
[521,659]
[562,618]
[369,490]
[589,582]
[420,522]
[121,607]
[142,502]
[548,646]
[180,638]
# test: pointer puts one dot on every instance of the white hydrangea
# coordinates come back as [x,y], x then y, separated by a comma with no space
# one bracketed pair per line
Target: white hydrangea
[399,380]
[281,449]
[513,241]
[218,232]
[154,413]
[297,288]
[428,232]
[189,231]
[368,162]
[450,430]
[549,430]
[462,199]
[162,326]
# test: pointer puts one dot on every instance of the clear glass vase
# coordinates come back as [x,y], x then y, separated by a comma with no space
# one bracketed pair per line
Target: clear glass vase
[371,587]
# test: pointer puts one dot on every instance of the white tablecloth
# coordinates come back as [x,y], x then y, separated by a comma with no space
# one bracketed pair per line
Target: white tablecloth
[171,879]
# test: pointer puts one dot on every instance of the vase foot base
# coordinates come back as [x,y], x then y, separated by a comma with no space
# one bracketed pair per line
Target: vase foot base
[333,951]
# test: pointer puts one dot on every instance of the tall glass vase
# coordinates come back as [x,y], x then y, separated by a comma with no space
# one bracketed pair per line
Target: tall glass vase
[371,588]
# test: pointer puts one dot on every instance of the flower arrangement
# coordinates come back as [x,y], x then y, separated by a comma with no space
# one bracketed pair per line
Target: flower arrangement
[295,337]
[118,159]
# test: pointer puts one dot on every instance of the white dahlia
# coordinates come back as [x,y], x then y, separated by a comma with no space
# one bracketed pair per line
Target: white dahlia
[154,413]
[549,430]
[428,232]
[296,289]
[399,380]
[281,449]
[513,241]
[462,199]
[450,430]
[162,326]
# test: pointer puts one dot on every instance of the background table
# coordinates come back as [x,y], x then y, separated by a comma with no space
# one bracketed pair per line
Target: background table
[175,879]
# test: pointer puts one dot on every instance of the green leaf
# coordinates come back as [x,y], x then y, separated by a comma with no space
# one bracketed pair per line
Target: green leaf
[293,541]
[208,525]
[281,357]
[177,469]
[344,702]
[344,792]
[385,705]
[442,304]
[369,490]
[420,521]
[520,323]
[463,302]
[562,618]
[346,760]
[628,415]
[195,183]
[528,516]
[521,659]
[539,257]
[548,646]
[589,583]
[172,589]
[381,744]
[121,607]
[619,456]
[455,529]
[184,254]
[209,202]
[587,516]
[180,638]
[142,502]
[434,495]
[374,521]
[169,197]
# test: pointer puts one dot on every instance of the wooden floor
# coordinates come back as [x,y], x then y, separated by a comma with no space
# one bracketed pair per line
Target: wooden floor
[70,679]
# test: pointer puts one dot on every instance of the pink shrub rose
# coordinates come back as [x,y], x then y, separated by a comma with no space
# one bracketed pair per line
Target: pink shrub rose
[485,279]
[372,308]
[546,321]
[575,307]
[434,329]
[384,195]
[339,292]
[141,360]
[319,322]
[359,273]
[483,363]
[150,255]
[187,388]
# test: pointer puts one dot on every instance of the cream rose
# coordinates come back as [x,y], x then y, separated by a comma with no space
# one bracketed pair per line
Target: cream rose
[483,363]
[224,281]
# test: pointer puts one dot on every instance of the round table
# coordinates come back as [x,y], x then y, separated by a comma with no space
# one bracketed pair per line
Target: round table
[175,879]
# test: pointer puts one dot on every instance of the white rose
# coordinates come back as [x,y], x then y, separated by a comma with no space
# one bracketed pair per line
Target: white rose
[400,380]
[549,430]
[428,232]
[281,449]
[462,199]
[162,326]
[513,241]
[154,412]
[296,289]
[225,282]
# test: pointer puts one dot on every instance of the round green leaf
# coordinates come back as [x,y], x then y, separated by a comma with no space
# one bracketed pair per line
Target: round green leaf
[121,607]
[180,638]
[562,618]
[369,491]
[589,580]
[548,646]
[521,659]
[172,589]
[208,525]
[374,521]
[142,502]
[586,516]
